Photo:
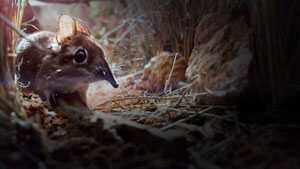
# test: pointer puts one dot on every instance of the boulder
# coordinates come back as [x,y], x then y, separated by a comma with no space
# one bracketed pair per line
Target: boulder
[221,57]
[157,72]
[101,92]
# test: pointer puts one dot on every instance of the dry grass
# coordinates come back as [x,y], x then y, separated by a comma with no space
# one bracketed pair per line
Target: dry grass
[276,49]
[162,111]
[174,21]
[13,11]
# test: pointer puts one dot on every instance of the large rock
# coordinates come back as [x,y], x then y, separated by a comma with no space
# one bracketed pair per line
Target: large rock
[101,92]
[157,72]
[221,56]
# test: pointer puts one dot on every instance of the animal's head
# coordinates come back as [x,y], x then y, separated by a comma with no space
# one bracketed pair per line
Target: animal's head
[78,58]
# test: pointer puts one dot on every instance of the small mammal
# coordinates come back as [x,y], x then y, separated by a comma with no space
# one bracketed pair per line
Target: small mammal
[71,60]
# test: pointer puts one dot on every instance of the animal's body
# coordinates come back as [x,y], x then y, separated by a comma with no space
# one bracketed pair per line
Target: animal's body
[69,61]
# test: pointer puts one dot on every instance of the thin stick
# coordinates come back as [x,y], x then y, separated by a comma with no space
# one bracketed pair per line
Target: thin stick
[34,18]
[186,119]
[220,107]
[150,98]
[180,89]
[179,101]
[125,33]
[124,22]
[114,30]
[66,1]
[168,81]
[21,33]
[119,105]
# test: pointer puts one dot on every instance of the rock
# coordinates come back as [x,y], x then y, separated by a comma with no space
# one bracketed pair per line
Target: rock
[221,57]
[157,71]
[102,91]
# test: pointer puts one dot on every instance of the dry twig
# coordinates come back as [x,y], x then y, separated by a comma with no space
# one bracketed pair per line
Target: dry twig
[149,98]
[21,33]
[172,69]
[186,119]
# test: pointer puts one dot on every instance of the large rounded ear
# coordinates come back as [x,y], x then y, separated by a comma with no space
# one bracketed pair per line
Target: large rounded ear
[82,27]
[66,29]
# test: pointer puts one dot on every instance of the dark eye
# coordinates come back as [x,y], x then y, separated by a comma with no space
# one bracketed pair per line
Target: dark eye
[80,56]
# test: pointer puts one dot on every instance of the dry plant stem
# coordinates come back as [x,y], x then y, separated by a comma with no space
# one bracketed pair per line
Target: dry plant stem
[181,98]
[186,119]
[3,18]
[114,30]
[149,98]
[128,30]
[119,105]
[17,20]
[225,118]
[172,69]
[220,107]
[274,59]
[141,114]
[67,1]
[28,23]
[186,87]
[11,15]
[124,22]
[34,18]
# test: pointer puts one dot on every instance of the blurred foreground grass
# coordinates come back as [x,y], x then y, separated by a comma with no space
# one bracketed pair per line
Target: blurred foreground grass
[12,11]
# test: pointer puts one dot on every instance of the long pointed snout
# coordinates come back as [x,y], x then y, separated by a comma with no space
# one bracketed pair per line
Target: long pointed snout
[110,78]
[105,73]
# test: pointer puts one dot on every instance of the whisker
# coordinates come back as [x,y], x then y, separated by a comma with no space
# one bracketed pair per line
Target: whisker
[99,71]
